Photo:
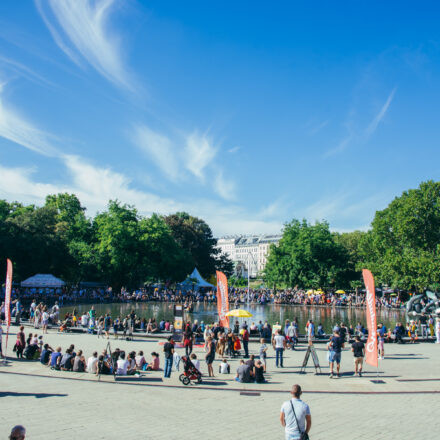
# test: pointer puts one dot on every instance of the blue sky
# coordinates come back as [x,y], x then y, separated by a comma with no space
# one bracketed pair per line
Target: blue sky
[247,114]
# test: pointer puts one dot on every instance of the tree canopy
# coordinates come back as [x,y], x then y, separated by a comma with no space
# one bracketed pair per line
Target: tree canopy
[307,256]
[117,246]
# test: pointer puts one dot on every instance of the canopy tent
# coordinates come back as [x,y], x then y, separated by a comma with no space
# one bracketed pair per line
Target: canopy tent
[43,280]
[195,280]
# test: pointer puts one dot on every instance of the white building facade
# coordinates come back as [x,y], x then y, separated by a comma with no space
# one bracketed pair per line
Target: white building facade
[248,251]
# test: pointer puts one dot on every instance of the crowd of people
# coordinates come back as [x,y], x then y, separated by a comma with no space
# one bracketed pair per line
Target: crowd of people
[328,298]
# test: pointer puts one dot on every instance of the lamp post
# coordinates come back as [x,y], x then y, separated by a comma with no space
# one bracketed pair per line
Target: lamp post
[249,255]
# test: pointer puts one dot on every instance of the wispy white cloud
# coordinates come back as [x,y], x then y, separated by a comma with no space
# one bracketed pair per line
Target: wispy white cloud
[318,127]
[340,147]
[198,153]
[356,133]
[234,150]
[17,129]
[82,30]
[158,147]
[22,70]
[378,118]
[224,187]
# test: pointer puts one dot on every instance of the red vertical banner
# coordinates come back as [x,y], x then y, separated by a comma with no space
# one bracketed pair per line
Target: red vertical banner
[371,347]
[8,299]
[222,299]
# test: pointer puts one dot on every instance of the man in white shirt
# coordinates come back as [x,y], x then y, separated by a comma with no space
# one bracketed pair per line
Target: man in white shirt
[122,365]
[295,415]
[92,363]
[279,344]
[310,332]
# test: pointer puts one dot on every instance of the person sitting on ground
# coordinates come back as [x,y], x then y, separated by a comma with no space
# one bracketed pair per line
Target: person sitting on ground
[140,360]
[251,363]
[102,366]
[45,354]
[224,367]
[259,372]
[55,359]
[131,363]
[79,363]
[92,363]
[154,364]
[122,364]
[243,373]
[66,363]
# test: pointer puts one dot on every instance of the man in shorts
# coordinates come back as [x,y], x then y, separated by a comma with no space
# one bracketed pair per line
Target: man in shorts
[336,345]
[358,349]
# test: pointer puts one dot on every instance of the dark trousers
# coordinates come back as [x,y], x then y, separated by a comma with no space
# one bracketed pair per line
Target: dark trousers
[246,348]
[279,356]
[188,349]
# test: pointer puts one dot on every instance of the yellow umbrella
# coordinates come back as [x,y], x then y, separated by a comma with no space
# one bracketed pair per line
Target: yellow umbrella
[239,313]
[310,292]
[340,291]
[320,291]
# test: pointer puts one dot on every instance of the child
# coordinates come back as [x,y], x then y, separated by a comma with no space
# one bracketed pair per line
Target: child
[224,367]
[195,361]
[99,329]
[263,354]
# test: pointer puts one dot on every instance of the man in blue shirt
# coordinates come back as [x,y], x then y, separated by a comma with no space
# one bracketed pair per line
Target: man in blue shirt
[336,345]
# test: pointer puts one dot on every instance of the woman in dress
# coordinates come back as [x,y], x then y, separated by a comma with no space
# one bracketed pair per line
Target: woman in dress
[210,355]
[20,344]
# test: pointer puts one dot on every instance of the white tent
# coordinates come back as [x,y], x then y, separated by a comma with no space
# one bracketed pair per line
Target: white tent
[191,281]
[43,280]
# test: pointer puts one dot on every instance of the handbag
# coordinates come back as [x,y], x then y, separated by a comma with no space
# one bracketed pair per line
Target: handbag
[304,435]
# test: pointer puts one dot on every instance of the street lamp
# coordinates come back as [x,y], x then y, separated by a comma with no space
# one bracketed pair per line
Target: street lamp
[249,254]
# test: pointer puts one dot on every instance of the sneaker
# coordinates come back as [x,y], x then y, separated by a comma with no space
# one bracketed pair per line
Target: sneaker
[360,373]
[331,376]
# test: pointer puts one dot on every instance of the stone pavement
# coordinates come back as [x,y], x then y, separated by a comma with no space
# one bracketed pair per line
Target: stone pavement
[54,404]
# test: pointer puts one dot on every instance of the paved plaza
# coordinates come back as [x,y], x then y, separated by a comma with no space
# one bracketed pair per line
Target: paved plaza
[54,404]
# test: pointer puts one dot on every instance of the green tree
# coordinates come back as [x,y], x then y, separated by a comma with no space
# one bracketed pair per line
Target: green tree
[403,247]
[195,237]
[75,229]
[162,257]
[119,254]
[307,256]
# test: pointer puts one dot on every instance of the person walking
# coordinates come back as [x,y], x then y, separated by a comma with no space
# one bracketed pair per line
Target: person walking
[358,349]
[168,350]
[279,344]
[295,416]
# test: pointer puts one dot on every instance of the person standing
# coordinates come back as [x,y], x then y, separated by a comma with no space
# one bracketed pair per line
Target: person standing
[107,325]
[295,416]
[358,349]
[336,345]
[210,355]
[310,332]
[279,344]
[20,344]
[168,350]
[381,340]
[245,339]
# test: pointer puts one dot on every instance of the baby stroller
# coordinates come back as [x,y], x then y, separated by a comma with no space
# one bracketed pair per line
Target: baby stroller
[190,372]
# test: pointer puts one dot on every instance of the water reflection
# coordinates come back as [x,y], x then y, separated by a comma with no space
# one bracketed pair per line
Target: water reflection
[273,313]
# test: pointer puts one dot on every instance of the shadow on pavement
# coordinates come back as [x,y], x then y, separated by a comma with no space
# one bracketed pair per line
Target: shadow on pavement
[36,395]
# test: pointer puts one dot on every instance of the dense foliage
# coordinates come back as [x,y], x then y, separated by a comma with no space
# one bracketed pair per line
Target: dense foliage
[403,246]
[307,256]
[118,246]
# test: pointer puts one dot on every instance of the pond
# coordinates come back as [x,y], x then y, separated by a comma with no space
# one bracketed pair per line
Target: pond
[273,313]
